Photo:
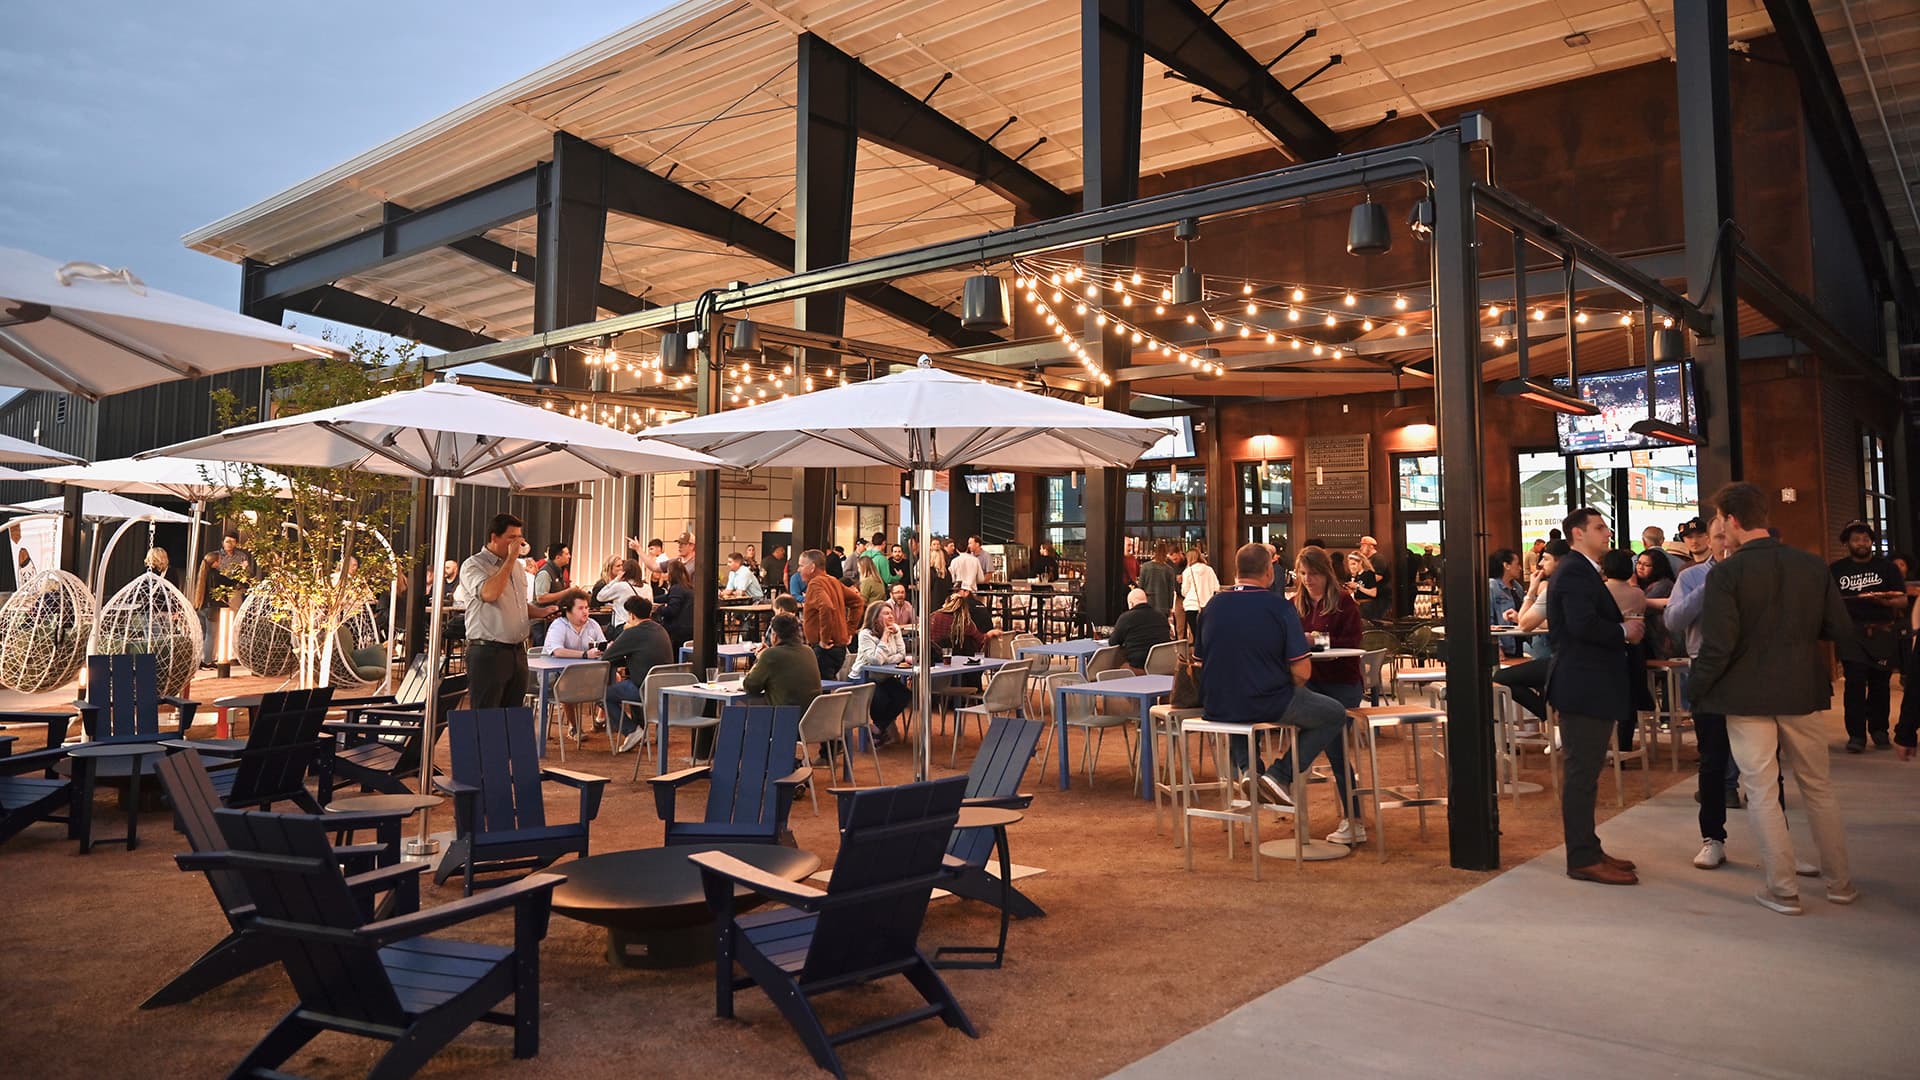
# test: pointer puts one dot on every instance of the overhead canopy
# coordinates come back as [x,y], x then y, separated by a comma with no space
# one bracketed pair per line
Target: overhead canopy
[86,330]
[444,430]
[193,481]
[919,418]
[106,506]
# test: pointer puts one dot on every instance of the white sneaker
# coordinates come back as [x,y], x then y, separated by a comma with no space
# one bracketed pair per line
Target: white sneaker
[1785,905]
[1350,832]
[1845,895]
[1805,869]
[634,738]
[1712,854]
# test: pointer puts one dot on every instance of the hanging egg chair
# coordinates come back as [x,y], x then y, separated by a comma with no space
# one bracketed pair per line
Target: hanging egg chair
[262,640]
[44,629]
[150,616]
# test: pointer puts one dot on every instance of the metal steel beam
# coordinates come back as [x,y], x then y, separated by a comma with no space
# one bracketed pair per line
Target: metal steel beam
[1112,67]
[331,302]
[1182,36]
[406,234]
[1291,186]
[1829,120]
[1473,808]
[1799,319]
[526,267]
[1706,195]
[885,114]
[570,237]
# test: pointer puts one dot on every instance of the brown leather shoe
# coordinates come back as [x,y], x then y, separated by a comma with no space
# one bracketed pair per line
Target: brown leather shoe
[1603,874]
[1618,864]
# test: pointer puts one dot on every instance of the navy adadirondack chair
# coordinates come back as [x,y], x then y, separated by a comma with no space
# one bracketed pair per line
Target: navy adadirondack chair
[381,746]
[752,778]
[410,693]
[500,819]
[284,745]
[380,978]
[864,927]
[123,700]
[376,867]
[29,790]
[994,780]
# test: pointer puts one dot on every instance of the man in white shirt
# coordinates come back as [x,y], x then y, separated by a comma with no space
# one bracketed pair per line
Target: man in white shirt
[741,580]
[966,568]
[981,553]
[499,607]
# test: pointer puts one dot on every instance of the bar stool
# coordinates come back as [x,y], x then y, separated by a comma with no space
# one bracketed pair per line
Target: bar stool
[1164,727]
[1506,714]
[1616,757]
[1230,810]
[1672,716]
[1369,721]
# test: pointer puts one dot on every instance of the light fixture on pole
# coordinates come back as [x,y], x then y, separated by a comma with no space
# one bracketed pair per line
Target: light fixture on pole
[1367,231]
[1187,286]
[985,303]
[1420,219]
[746,337]
[673,353]
[1665,347]
[600,372]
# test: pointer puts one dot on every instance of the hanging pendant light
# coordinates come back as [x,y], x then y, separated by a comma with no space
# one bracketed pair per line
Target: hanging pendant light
[1420,220]
[984,303]
[746,337]
[673,353]
[543,369]
[1187,286]
[1367,232]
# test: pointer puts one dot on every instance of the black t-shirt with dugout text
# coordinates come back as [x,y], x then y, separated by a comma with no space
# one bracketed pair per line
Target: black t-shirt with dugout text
[1876,575]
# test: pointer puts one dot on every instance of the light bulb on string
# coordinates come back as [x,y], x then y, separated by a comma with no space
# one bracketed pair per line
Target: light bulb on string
[1366,324]
[1299,295]
[1581,318]
[1400,330]
[1293,314]
[1350,299]
[1493,311]
[1331,321]
[1539,314]
[1399,303]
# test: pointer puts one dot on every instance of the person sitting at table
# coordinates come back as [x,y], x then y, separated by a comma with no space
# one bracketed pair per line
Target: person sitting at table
[609,571]
[1326,608]
[882,645]
[574,636]
[785,671]
[952,627]
[903,614]
[1138,630]
[627,584]
[641,646]
[674,607]
[751,559]
[1046,565]
[872,589]
[1527,682]
[741,581]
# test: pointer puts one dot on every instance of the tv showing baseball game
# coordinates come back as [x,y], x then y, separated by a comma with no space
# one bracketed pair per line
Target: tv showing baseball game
[1621,397]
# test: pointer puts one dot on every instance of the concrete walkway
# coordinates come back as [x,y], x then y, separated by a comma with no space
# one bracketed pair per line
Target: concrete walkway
[1535,975]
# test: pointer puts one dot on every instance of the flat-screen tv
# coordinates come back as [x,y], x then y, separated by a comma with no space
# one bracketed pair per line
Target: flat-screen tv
[1621,397]
[1177,445]
[983,483]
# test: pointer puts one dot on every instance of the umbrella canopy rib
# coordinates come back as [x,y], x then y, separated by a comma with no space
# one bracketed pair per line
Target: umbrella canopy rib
[40,365]
[382,449]
[98,333]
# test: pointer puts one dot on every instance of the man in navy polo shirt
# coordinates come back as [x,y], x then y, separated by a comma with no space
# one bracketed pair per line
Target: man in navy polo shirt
[1256,663]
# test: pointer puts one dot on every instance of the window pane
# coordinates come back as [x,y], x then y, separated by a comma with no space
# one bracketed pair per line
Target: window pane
[1266,489]
[1419,482]
[1663,489]
[1543,495]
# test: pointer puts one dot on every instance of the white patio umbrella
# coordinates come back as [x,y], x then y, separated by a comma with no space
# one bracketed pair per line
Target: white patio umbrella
[99,506]
[21,452]
[921,421]
[196,482]
[84,329]
[447,434]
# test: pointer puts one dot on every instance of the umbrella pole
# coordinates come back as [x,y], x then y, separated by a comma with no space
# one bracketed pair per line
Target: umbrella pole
[193,549]
[423,843]
[923,686]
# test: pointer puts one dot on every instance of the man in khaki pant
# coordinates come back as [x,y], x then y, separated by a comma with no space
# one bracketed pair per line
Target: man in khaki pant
[1767,608]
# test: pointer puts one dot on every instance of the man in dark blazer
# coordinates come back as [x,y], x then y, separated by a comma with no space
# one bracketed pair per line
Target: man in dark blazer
[1587,685]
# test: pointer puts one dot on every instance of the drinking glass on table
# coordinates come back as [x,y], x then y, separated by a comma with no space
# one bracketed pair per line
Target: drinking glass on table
[713,674]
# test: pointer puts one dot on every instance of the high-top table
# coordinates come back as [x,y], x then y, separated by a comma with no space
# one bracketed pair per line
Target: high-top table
[1146,690]
[653,898]
[1080,650]
[729,653]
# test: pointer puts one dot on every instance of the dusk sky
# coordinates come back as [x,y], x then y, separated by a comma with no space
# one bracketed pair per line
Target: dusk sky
[130,124]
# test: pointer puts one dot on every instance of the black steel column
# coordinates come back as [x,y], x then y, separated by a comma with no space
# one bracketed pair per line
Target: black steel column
[706,503]
[1473,816]
[571,233]
[1112,66]
[827,138]
[1706,189]
[251,302]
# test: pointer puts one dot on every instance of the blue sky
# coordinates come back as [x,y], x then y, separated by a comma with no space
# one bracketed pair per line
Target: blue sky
[129,124]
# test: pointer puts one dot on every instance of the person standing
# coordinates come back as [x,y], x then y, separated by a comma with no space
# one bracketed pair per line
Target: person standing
[1587,685]
[498,614]
[221,583]
[1046,565]
[965,569]
[1767,608]
[1198,583]
[1654,539]
[828,612]
[1718,787]
[1382,579]
[773,572]
[1157,580]
[1875,594]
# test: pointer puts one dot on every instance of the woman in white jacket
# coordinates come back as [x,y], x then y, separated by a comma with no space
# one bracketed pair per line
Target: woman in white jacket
[882,645]
[1198,583]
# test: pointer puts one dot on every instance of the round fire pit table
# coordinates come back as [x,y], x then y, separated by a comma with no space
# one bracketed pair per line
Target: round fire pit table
[652,898]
